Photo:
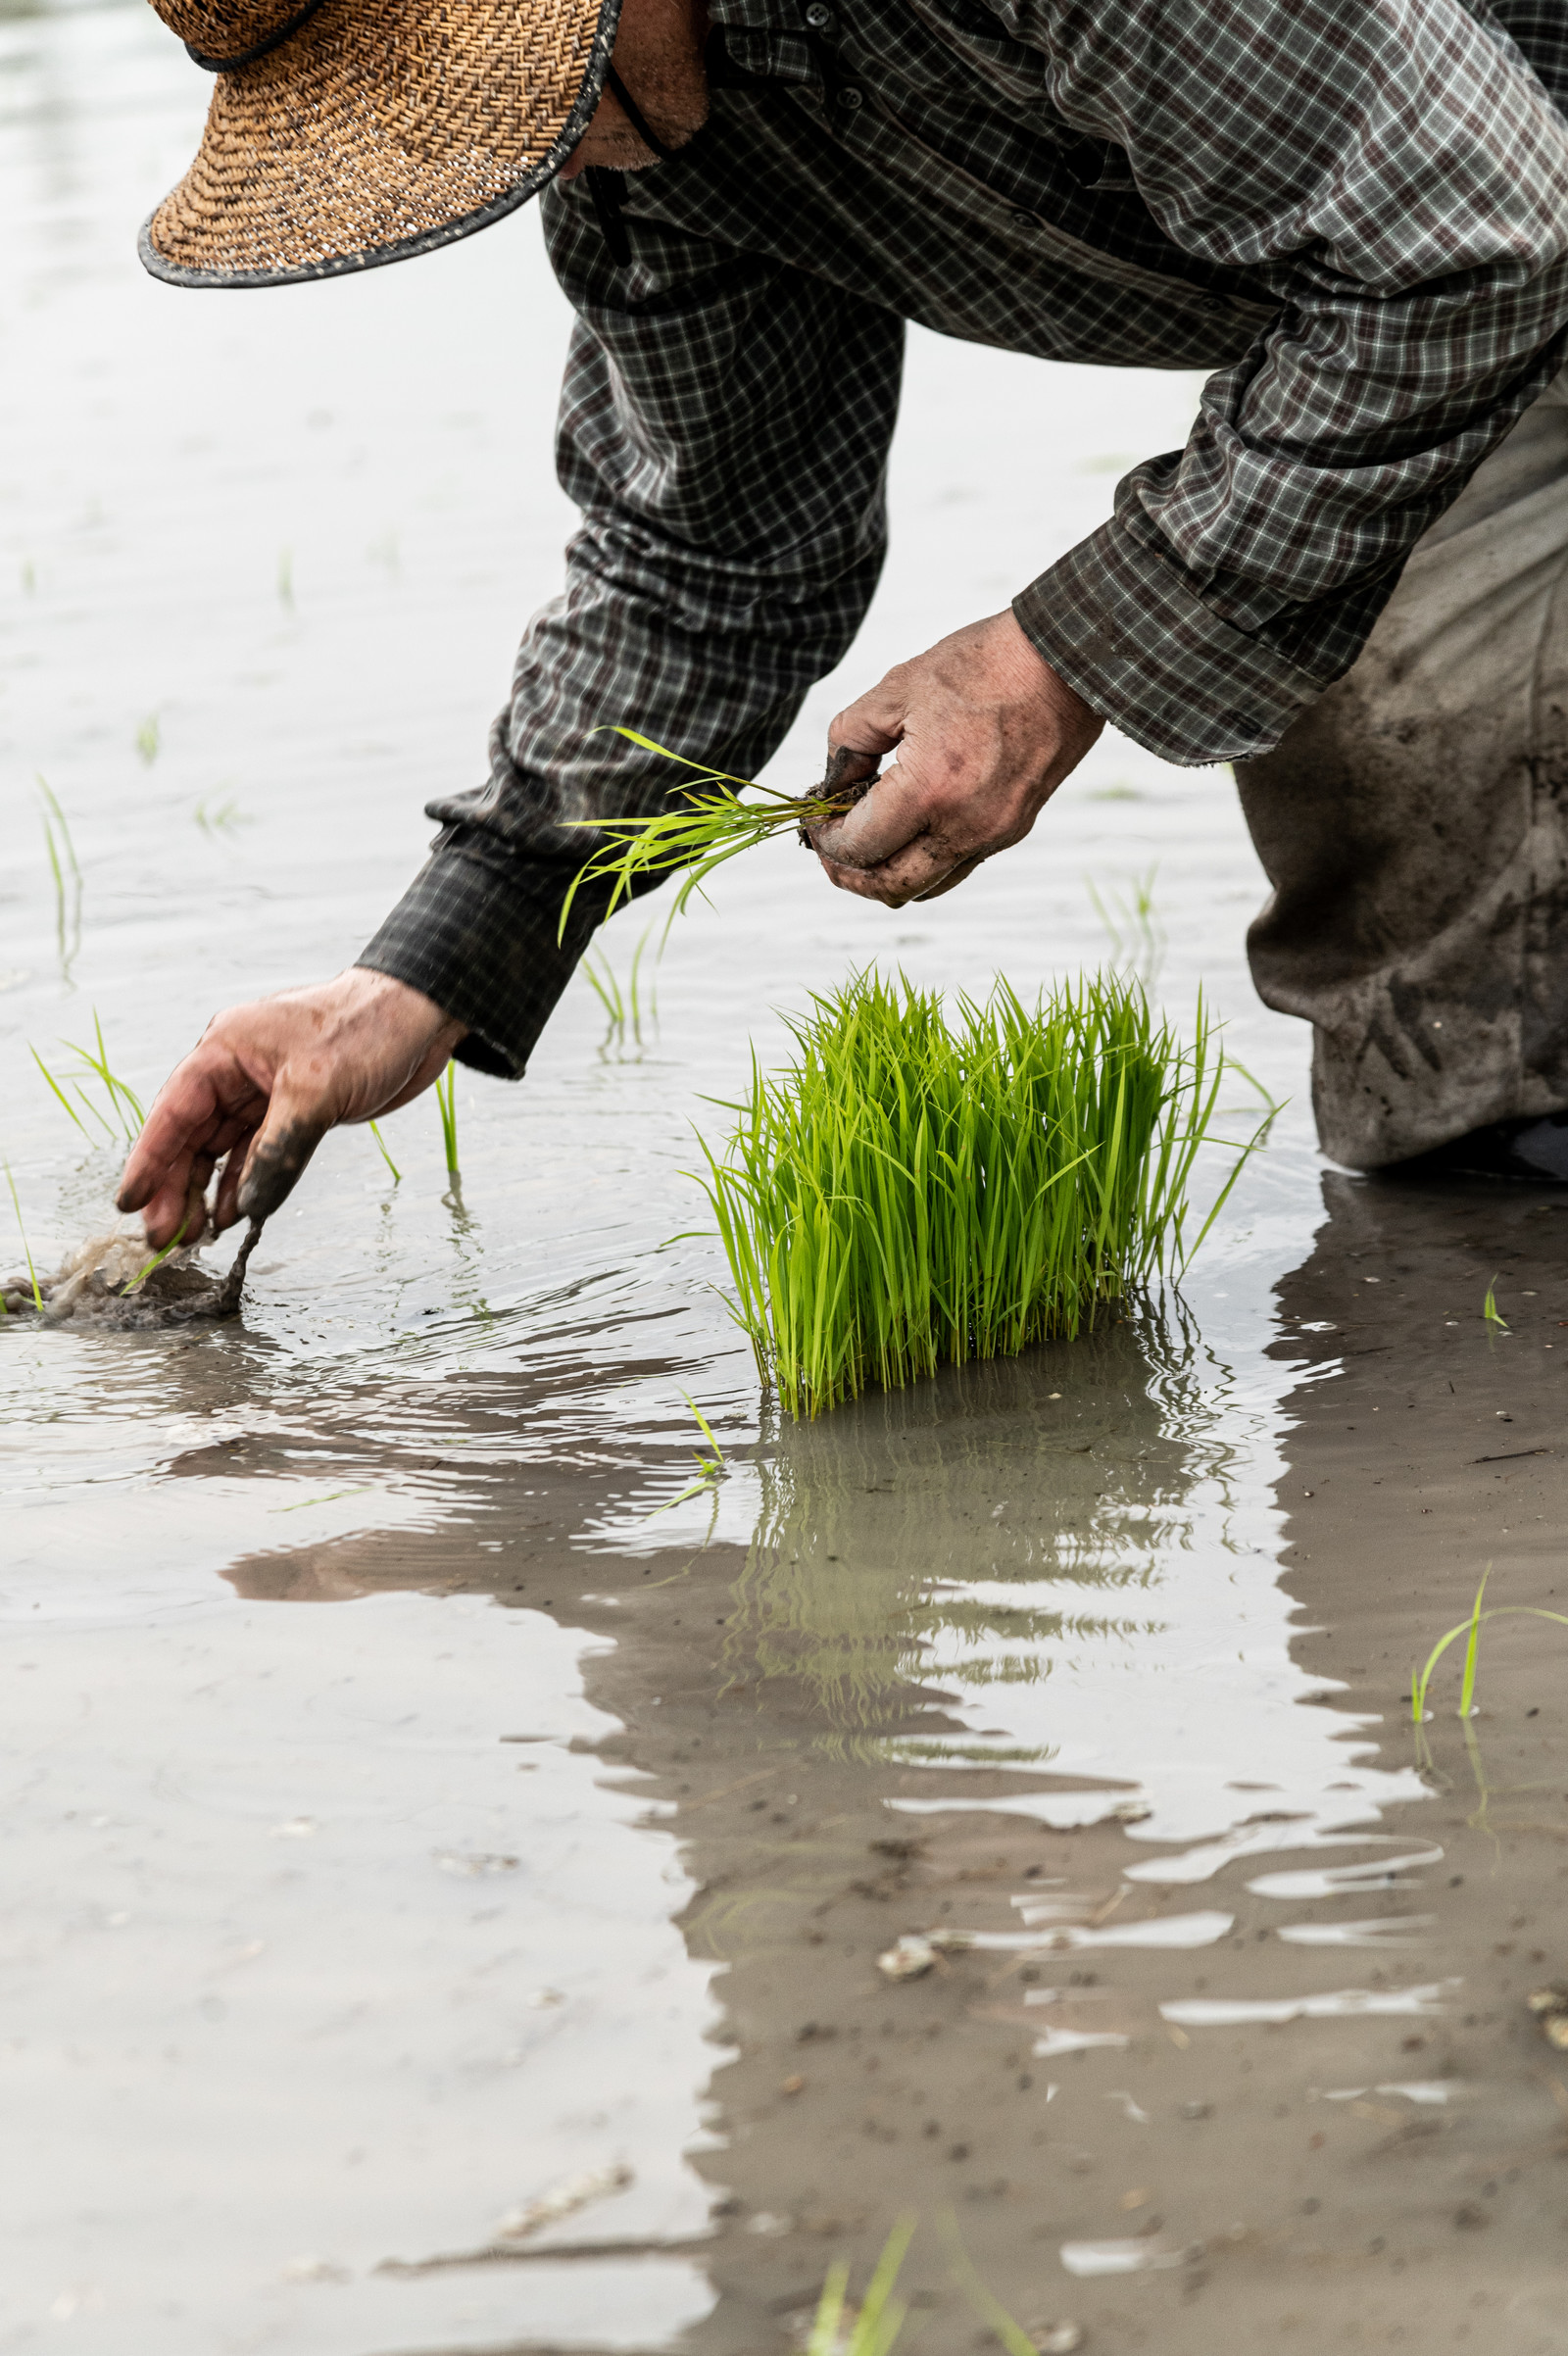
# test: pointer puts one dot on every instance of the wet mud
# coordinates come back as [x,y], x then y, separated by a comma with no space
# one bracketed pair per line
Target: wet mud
[108,1284]
[1282,2085]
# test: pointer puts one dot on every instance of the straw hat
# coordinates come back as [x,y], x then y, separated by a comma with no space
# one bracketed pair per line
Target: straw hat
[345,133]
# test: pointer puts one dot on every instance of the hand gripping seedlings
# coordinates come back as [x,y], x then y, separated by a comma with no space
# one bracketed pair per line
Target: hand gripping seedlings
[906,1193]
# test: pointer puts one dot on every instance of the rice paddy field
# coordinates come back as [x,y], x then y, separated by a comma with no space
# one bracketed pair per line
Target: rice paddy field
[512,1841]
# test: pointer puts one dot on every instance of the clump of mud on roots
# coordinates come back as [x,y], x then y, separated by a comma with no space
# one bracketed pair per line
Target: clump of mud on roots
[96,1285]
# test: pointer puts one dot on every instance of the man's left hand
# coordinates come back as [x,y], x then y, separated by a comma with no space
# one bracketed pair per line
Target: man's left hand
[984,731]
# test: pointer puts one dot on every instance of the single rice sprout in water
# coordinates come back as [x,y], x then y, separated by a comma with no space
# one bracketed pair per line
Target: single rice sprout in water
[148,738]
[714,1468]
[157,1260]
[639,998]
[397,1174]
[1491,1313]
[838,2329]
[67,878]
[906,1193]
[27,1248]
[226,818]
[1470,1630]
[127,1118]
[1136,932]
[446,1099]
[710,825]
[873,2328]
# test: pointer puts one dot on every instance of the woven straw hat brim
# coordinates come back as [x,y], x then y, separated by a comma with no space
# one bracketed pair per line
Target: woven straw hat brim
[377,130]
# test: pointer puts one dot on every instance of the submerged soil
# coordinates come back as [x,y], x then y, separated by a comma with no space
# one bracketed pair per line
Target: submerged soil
[1113,2126]
[108,1283]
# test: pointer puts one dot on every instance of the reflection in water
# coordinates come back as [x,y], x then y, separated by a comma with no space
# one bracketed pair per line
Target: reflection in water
[887,1548]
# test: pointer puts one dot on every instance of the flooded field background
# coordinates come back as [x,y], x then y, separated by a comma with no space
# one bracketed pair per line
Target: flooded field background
[402,1828]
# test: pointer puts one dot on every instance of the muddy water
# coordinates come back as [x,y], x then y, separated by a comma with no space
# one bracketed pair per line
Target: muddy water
[443,1895]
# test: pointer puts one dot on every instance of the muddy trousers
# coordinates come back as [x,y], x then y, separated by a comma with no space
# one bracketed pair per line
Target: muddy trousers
[1415,826]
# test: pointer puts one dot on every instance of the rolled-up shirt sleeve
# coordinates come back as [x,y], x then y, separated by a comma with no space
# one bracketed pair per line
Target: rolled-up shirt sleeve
[1394,171]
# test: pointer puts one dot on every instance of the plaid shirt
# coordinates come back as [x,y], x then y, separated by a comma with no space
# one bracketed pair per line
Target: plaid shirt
[1354,213]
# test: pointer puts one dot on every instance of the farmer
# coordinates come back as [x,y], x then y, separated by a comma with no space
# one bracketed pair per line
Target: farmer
[1353,581]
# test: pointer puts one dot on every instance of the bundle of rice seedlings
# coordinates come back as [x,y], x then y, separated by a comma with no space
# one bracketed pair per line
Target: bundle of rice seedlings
[708,824]
[906,1193]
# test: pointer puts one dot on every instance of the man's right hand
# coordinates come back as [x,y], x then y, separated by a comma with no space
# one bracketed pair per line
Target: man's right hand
[262,1087]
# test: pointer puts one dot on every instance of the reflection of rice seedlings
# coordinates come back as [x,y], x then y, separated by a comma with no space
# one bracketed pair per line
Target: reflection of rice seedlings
[285,578]
[446,1099]
[1494,1316]
[29,576]
[397,1174]
[125,1116]
[226,818]
[32,1273]
[904,1195]
[68,878]
[713,824]
[1137,934]
[148,738]
[1470,1630]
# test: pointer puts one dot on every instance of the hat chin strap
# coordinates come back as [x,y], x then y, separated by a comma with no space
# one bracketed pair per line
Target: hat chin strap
[629,107]
[247,57]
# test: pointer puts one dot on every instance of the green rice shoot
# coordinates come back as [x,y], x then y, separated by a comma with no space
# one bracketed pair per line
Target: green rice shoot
[837,2330]
[446,1099]
[1470,1629]
[157,1260]
[1137,934]
[149,736]
[712,1469]
[124,1120]
[639,998]
[27,1248]
[1496,1320]
[67,875]
[397,1174]
[708,826]
[907,1195]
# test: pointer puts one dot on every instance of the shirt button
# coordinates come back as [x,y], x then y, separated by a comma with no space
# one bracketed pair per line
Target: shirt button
[819,18]
[852,97]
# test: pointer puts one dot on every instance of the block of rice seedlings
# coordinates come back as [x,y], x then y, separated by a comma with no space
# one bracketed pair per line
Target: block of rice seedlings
[910,1190]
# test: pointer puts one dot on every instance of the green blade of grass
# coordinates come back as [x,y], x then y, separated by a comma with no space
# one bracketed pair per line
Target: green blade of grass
[32,1273]
[157,1260]
[1467,1688]
[397,1174]
[59,817]
[704,1425]
[446,1098]
[56,1089]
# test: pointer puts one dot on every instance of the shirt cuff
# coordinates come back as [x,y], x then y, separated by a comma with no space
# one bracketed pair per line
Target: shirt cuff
[1121,623]
[481,941]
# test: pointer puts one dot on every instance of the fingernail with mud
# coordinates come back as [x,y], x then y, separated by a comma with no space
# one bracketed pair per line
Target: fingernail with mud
[274,1168]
